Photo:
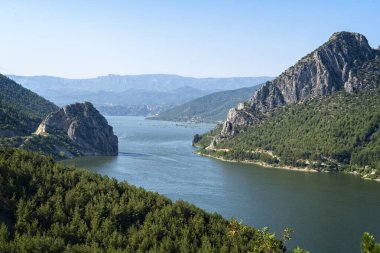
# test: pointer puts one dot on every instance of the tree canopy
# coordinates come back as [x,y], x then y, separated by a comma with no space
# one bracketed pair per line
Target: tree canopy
[51,208]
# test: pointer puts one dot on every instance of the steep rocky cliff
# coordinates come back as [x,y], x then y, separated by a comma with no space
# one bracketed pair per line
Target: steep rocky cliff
[85,127]
[344,62]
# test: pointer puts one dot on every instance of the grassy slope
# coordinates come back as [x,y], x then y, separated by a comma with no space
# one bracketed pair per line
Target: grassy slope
[209,108]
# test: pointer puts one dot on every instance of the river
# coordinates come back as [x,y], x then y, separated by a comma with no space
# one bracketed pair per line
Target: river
[328,212]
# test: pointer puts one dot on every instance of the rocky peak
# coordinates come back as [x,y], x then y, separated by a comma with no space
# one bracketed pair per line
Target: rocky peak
[350,38]
[331,67]
[85,126]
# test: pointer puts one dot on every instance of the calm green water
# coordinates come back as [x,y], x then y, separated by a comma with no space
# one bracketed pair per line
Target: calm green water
[328,212]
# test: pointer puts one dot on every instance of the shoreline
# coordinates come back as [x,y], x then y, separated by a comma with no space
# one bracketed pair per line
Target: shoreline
[289,168]
[261,163]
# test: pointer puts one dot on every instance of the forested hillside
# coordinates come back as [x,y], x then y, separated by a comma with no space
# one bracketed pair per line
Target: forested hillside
[48,208]
[16,122]
[209,108]
[346,62]
[321,113]
[21,110]
[339,132]
[24,99]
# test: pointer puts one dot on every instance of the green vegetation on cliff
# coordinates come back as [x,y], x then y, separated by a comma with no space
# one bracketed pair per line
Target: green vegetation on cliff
[21,110]
[337,132]
[16,121]
[368,244]
[202,141]
[49,208]
[58,145]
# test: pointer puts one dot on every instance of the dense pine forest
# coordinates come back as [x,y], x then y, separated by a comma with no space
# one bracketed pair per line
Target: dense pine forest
[45,207]
[339,132]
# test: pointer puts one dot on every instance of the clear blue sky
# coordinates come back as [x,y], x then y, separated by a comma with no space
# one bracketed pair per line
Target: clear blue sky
[191,38]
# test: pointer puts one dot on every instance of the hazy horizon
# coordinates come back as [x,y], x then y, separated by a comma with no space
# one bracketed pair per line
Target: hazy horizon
[145,74]
[198,39]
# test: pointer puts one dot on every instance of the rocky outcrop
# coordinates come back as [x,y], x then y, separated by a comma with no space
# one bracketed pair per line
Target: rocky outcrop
[85,126]
[336,65]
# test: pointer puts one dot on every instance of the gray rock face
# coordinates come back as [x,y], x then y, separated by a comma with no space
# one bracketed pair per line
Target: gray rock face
[332,67]
[85,126]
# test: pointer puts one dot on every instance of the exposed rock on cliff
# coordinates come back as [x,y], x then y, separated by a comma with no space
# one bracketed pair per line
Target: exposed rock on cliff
[85,126]
[342,63]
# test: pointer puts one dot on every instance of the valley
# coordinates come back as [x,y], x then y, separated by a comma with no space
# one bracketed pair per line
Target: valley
[73,180]
[132,95]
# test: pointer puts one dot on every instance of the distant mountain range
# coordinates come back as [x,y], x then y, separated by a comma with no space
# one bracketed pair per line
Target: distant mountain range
[209,108]
[323,113]
[131,94]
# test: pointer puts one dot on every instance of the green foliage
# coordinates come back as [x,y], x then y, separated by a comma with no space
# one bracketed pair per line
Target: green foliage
[240,156]
[299,250]
[22,98]
[16,121]
[209,108]
[21,110]
[205,139]
[336,132]
[287,234]
[368,244]
[48,145]
[11,141]
[60,209]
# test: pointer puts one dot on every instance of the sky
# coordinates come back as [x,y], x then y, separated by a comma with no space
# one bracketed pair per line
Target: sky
[198,38]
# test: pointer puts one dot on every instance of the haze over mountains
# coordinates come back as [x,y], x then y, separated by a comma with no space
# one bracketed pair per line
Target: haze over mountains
[131,94]
[209,108]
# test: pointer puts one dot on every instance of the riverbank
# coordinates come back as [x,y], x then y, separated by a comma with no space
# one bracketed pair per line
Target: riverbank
[363,175]
[260,163]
